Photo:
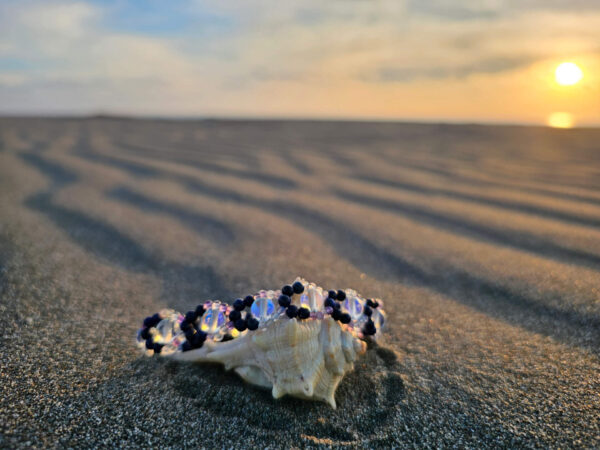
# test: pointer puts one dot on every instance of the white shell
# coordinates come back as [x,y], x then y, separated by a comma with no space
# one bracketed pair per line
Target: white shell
[305,359]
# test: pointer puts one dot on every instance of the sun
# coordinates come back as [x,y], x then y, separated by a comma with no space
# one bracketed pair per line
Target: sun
[568,73]
[561,120]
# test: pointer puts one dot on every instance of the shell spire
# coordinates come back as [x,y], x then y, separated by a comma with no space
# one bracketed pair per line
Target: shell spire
[298,341]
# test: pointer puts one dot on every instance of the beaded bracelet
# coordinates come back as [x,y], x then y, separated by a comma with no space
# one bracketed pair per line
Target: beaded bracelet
[289,323]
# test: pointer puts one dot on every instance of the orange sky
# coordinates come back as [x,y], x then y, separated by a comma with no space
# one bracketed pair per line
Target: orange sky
[488,61]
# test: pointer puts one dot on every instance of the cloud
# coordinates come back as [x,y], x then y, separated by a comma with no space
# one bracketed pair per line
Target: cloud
[208,57]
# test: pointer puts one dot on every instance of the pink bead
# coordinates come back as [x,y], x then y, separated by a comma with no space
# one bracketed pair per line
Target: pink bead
[207,304]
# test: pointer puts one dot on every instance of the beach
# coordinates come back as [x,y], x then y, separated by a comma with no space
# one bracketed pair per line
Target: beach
[482,240]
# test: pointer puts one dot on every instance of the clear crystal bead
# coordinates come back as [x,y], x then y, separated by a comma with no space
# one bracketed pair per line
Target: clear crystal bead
[263,308]
[353,304]
[315,297]
[213,321]
[378,318]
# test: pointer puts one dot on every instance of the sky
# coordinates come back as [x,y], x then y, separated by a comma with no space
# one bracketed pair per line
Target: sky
[437,60]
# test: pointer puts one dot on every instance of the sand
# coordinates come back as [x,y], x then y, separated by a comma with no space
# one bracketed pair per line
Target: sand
[483,240]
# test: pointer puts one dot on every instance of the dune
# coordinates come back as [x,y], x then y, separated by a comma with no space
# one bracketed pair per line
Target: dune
[484,241]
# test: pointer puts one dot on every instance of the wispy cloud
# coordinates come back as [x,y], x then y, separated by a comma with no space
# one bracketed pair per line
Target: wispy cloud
[209,57]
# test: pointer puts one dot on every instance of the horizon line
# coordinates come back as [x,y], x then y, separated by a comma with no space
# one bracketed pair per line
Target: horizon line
[289,118]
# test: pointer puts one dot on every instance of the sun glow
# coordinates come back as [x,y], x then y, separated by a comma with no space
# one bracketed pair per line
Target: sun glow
[568,73]
[561,120]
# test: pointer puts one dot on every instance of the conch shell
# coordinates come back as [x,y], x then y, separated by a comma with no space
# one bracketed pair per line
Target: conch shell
[305,358]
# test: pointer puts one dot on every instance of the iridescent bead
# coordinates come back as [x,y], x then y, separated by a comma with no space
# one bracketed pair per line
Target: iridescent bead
[166,329]
[314,298]
[329,309]
[354,306]
[213,319]
[263,308]
[378,318]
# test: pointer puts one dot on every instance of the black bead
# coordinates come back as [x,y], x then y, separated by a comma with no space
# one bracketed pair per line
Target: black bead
[198,339]
[332,294]
[191,316]
[291,311]
[189,334]
[184,326]
[337,305]
[152,321]
[298,287]
[227,337]
[367,311]
[158,347]
[341,295]
[330,302]
[345,318]
[241,325]
[234,315]
[303,313]
[252,323]
[370,303]
[287,290]
[200,310]
[186,346]
[375,304]
[202,335]
[284,300]
[248,300]
[239,305]
[336,314]
[149,344]
[145,334]
[370,329]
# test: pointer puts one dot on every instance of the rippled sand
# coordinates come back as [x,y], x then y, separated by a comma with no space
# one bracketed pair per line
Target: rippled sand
[484,241]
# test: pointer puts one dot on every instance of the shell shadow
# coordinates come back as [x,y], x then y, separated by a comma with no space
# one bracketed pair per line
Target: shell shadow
[366,399]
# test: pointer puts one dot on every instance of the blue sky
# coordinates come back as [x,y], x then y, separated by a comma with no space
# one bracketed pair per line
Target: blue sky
[429,60]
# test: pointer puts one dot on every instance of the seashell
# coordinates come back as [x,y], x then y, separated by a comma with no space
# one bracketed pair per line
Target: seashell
[302,357]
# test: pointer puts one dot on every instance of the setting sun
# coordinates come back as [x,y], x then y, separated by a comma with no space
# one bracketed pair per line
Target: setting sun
[568,73]
[561,120]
